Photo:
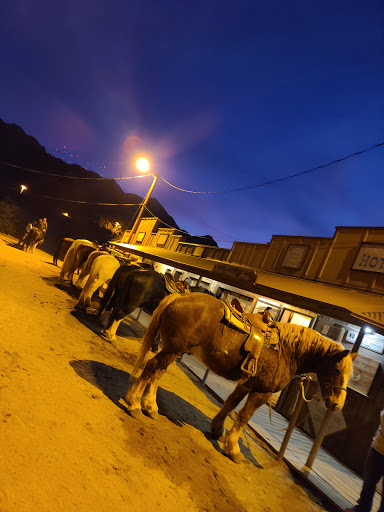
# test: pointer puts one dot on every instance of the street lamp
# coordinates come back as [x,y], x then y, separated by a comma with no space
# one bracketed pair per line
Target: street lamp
[142,164]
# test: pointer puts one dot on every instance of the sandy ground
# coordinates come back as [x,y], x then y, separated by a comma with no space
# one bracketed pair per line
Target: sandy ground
[66,441]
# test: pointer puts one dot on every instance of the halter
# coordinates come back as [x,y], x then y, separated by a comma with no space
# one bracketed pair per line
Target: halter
[333,387]
[303,378]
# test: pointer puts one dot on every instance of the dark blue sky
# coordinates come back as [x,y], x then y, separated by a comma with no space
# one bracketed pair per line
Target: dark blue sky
[221,95]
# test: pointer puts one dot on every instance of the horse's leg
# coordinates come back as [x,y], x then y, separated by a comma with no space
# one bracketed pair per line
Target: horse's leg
[82,277]
[148,401]
[152,372]
[217,424]
[112,326]
[254,401]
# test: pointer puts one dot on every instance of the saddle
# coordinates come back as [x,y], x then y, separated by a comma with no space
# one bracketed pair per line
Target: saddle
[261,332]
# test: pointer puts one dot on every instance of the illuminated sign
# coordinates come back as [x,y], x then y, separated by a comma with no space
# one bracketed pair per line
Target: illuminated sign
[370,258]
[373,342]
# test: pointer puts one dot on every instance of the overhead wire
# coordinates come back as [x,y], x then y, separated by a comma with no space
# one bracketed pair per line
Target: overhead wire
[270,182]
[81,202]
[276,180]
[74,177]
[182,230]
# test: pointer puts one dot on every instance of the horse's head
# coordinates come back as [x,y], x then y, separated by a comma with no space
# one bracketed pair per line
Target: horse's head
[333,377]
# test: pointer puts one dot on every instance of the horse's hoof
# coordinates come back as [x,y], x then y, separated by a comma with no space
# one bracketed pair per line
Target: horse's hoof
[108,336]
[136,414]
[154,415]
[235,457]
[217,436]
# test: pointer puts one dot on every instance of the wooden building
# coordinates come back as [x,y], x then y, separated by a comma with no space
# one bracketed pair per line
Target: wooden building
[334,285]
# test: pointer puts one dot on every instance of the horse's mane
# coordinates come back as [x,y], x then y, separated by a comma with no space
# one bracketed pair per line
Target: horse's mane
[305,340]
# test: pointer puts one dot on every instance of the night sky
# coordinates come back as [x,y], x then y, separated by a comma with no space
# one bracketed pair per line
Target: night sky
[220,95]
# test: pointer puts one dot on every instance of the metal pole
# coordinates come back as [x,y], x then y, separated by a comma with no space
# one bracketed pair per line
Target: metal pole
[205,376]
[318,440]
[292,422]
[358,340]
[138,218]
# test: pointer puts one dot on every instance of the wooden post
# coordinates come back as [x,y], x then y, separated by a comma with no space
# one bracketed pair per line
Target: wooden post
[318,440]
[292,422]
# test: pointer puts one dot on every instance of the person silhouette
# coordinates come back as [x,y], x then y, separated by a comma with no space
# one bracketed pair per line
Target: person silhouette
[374,470]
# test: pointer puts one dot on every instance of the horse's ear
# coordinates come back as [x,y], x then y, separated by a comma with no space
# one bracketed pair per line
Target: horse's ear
[353,355]
[338,356]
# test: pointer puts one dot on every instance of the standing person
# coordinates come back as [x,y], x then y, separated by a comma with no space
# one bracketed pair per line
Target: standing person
[27,230]
[42,225]
[374,470]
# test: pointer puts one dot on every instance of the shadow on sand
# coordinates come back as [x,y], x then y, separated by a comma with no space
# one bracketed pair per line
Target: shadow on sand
[114,384]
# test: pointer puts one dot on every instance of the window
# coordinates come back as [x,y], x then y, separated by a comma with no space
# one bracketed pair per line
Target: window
[140,237]
[162,240]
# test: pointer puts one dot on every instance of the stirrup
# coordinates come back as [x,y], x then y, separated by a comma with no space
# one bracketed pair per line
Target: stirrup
[251,371]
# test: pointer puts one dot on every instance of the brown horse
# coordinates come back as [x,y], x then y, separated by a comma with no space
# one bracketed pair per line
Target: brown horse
[195,324]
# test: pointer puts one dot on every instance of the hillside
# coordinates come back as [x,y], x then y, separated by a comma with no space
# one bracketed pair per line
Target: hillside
[25,152]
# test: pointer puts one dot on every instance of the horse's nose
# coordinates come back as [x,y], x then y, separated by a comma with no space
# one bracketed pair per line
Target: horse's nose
[332,405]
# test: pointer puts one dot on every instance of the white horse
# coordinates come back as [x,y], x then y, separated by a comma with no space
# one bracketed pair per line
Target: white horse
[101,272]
[86,267]
[67,269]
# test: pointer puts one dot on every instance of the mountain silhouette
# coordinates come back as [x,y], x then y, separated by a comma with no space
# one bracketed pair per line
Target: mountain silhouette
[24,161]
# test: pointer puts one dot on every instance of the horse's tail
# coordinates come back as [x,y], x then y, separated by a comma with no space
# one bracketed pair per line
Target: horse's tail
[109,291]
[152,330]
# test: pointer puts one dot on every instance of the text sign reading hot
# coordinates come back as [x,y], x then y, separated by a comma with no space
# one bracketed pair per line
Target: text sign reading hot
[370,258]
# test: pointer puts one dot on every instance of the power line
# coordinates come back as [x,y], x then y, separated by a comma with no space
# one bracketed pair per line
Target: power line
[280,179]
[74,177]
[81,202]
[182,230]
[290,176]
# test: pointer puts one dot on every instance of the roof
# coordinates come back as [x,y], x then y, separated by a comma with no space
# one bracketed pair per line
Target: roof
[353,306]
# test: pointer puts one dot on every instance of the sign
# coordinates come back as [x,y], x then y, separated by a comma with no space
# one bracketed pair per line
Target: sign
[364,371]
[238,273]
[351,336]
[373,342]
[295,255]
[370,258]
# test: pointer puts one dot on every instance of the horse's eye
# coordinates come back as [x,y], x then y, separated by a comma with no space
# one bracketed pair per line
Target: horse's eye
[337,371]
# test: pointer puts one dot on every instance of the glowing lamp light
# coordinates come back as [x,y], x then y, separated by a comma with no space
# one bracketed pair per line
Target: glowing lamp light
[65,214]
[367,330]
[117,224]
[22,188]
[142,164]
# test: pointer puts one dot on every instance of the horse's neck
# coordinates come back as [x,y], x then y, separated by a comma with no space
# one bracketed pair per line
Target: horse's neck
[304,347]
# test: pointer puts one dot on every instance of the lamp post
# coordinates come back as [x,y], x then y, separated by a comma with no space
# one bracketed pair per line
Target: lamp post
[142,164]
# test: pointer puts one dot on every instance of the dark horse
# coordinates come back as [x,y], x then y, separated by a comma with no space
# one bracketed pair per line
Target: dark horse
[131,287]
[195,324]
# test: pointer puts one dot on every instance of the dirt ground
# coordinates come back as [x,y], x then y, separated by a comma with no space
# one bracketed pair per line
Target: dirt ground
[66,441]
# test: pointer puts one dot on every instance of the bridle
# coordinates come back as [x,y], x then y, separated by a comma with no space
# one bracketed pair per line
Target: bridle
[330,385]
[304,378]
